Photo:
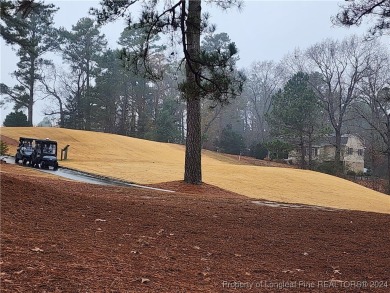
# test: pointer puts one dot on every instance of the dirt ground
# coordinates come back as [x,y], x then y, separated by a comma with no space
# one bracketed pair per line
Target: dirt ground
[9,141]
[61,236]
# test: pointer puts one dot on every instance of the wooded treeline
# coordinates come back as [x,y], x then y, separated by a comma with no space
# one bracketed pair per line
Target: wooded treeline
[334,87]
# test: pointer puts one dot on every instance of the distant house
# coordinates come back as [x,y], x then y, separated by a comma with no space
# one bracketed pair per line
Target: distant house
[352,152]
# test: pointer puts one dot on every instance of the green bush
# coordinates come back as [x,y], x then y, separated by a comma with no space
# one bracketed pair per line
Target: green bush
[3,148]
[278,149]
[360,173]
[230,142]
[16,119]
[259,151]
[330,168]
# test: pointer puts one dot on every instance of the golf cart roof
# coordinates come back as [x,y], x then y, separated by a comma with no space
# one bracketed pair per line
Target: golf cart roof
[26,139]
[45,141]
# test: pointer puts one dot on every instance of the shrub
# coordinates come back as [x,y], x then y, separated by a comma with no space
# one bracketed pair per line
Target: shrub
[16,119]
[278,149]
[3,148]
[360,173]
[330,168]
[230,141]
[259,151]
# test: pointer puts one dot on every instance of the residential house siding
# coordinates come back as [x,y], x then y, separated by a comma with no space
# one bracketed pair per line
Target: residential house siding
[352,152]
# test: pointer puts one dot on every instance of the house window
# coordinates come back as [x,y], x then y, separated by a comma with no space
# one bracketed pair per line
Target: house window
[314,152]
[350,151]
[360,152]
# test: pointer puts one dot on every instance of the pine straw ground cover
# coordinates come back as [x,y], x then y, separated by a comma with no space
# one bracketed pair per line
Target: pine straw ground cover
[61,236]
[147,162]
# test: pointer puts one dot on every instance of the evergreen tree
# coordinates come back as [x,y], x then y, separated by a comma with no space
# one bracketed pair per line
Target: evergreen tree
[205,73]
[167,122]
[259,151]
[108,92]
[3,148]
[278,149]
[294,113]
[140,77]
[83,46]
[16,119]
[230,141]
[35,35]
[353,13]
[214,112]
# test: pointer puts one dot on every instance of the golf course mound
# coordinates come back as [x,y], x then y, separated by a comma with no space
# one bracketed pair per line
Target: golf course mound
[147,162]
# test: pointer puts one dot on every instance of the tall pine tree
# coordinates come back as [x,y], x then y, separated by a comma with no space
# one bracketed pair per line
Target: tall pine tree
[294,114]
[83,46]
[205,73]
[34,35]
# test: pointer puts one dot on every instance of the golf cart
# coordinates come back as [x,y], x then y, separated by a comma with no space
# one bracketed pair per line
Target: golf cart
[45,154]
[25,150]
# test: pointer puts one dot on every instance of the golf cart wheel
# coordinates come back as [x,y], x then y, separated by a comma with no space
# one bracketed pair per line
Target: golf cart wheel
[42,165]
[55,168]
[16,160]
[24,162]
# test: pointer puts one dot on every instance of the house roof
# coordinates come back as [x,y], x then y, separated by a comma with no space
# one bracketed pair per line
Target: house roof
[331,140]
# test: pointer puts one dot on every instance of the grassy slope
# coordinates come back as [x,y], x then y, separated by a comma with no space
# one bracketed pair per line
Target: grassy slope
[147,162]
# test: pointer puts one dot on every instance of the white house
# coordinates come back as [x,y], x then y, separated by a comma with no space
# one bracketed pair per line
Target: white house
[352,152]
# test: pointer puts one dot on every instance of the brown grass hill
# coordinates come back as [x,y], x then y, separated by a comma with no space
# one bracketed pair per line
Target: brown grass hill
[147,162]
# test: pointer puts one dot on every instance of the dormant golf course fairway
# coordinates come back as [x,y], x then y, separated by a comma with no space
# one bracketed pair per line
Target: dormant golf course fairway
[147,162]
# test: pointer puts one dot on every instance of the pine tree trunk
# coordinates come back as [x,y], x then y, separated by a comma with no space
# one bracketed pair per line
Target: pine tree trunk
[193,165]
[193,171]
[31,91]
[79,112]
[87,98]
[30,110]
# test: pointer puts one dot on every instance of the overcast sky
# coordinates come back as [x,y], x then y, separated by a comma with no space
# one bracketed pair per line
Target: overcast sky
[262,30]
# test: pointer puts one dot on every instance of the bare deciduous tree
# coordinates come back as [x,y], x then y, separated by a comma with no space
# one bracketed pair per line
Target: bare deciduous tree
[264,79]
[53,85]
[374,100]
[341,67]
